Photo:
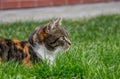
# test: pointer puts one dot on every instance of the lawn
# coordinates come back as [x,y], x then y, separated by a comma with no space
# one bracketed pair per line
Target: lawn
[94,54]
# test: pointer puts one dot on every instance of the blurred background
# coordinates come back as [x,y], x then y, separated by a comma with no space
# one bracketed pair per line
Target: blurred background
[22,10]
[17,4]
[95,50]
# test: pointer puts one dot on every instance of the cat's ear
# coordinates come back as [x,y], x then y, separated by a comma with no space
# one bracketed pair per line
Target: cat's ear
[50,26]
[58,21]
[53,24]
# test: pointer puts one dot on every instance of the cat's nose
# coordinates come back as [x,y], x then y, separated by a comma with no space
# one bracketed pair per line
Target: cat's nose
[68,41]
[67,45]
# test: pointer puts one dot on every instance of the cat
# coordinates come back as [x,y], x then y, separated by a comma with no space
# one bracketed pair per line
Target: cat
[44,43]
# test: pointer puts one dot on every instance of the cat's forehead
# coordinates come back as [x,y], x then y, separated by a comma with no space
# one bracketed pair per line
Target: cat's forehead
[60,31]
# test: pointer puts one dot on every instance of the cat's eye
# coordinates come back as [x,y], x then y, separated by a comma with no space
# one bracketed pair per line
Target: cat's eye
[54,41]
[61,38]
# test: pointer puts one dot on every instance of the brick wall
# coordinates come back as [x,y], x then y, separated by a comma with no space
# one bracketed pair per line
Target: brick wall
[14,4]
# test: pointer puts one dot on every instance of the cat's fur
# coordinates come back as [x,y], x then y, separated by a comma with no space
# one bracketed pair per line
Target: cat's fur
[44,43]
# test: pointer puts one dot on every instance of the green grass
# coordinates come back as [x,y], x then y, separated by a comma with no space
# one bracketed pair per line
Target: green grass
[95,51]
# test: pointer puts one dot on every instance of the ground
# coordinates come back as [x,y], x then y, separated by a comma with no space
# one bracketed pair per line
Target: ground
[94,54]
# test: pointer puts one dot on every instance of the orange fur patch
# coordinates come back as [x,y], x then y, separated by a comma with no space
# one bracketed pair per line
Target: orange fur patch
[25,49]
[27,59]
[17,42]
[42,36]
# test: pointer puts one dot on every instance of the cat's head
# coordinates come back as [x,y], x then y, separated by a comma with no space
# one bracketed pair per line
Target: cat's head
[52,35]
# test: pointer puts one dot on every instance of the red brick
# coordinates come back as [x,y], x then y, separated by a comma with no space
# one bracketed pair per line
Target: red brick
[94,1]
[73,2]
[88,1]
[10,0]
[112,0]
[0,5]
[59,2]
[100,0]
[44,3]
[27,4]
[10,5]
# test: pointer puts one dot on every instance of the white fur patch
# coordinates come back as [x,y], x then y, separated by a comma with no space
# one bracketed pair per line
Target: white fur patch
[44,53]
[52,25]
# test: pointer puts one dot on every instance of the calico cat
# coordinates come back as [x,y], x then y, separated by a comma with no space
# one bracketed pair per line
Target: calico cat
[44,43]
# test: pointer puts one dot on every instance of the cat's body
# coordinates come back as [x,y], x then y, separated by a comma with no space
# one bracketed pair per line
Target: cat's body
[15,50]
[44,43]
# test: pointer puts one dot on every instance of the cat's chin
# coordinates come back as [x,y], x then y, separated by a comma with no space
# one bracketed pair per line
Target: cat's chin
[58,50]
[66,48]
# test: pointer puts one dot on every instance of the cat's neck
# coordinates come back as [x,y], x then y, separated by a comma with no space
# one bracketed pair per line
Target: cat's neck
[43,53]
